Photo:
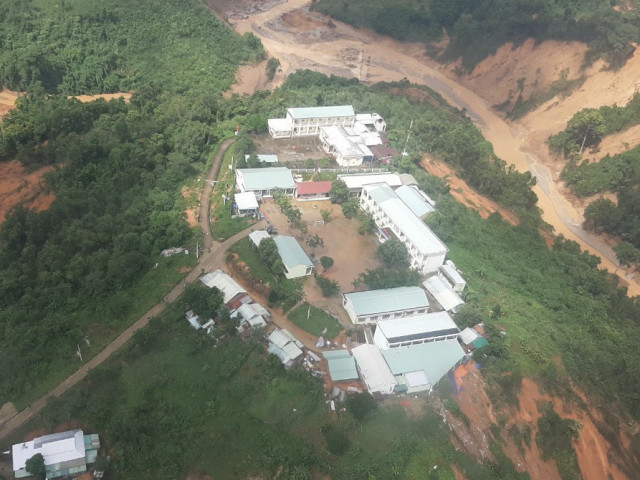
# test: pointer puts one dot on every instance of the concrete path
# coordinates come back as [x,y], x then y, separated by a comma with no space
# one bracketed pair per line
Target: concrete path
[212,257]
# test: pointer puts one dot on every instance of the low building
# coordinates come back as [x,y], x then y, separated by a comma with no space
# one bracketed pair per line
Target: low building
[285,345]
[307,121]
[257,236]
[450,274]
[229,288]
[374,305]
[342,366]
[420,367]
[442,293]
[296,262]
[350,148]
[373,370]
[65,454]
[263,181]
[246,203]
[392,215]
[415,330]
[251,315]
[271,159]
[313,190]
[355,182]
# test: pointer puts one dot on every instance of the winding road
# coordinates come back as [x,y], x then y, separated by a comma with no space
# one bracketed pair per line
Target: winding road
[302,39]
[211,258]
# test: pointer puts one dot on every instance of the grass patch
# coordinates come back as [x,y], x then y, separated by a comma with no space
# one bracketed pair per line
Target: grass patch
[222,225]
[318,320]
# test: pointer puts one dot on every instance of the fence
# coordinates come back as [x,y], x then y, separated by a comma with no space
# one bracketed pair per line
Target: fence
[340,170]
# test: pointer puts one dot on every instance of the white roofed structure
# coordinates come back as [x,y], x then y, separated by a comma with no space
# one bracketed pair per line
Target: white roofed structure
[417,201]
[246,202]
[286,346]
[223,282]
[373,369]
[295,260]
[262,181]
[449,300]
[414,330]
[391,214]
[257,236]
[356,182]
[469,335]
[450,274]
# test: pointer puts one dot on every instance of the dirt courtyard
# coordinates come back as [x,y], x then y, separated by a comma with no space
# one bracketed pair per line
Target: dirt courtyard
[289,150]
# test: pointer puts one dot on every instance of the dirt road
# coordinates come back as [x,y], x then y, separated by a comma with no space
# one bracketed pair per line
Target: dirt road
[212,258]
[303,39]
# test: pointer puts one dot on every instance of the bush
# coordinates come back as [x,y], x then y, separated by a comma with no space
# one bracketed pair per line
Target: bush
[329,287]
[326,262]
[361,405]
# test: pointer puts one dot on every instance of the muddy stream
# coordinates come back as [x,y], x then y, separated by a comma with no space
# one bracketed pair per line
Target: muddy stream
[302,39]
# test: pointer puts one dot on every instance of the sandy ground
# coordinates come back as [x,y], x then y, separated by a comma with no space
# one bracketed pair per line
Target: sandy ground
[466,195]
[191,212]
[7,101]
[105,96]
[332,47]
[290,150]
[17,186]
[251,78]
[614,144]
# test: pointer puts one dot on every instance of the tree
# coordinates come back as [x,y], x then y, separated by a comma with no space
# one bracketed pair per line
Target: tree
[326,262]
[386,277]
[268,252]
[315,242]
[361,405]
[35,465]
[393,253]
[203,300]
[329,287]
[627,253]
[586,127]
[272,67]
[350,208]
[326,215]
[339,192]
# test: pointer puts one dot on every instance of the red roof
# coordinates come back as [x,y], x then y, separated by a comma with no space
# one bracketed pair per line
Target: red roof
[310,188]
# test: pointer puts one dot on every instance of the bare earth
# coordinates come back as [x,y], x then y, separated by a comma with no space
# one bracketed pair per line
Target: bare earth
[614,144]
[17,186]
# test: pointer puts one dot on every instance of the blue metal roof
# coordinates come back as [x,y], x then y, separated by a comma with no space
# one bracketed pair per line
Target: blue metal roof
[388,300]
[291,252]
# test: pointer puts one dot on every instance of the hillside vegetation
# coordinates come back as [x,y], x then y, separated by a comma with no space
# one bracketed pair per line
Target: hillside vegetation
[619,174]
[477,28]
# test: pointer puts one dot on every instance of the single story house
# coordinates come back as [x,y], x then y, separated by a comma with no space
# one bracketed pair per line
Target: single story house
[374,305]
[420,367]
[296,263]
[414,330]
[285,345]
[449,300]
[313,190]
[230,289]
[262,181]
[257,236]
[246,203]
[65,454]
[342,366]
[251,315]
[374,370]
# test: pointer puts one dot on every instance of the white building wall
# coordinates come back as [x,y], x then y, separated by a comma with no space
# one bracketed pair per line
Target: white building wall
[298,271]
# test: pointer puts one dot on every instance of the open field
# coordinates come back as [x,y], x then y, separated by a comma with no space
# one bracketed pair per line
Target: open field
[315,321]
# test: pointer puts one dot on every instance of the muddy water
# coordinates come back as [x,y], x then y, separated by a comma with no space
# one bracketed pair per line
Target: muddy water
[331,47]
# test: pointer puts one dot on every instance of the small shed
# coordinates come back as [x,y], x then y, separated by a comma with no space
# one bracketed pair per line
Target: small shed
[246,203]
[468,336]
[449,300]
[285,345]
[257,236]
[342,366]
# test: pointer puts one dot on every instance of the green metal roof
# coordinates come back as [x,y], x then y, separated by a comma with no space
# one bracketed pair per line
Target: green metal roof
[388,300]
[434,358]
[291,252]
[267,178]
[342,366]
[480,342]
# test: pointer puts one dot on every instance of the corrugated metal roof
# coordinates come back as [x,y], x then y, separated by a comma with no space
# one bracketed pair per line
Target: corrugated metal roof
[56,448]
[468,335]
[267,178]
[291,252]
[342,366]
[321,112]
[246,201]
[414,200]
[374,302]
[259,235]
[416,231]
[223,282]
[356,182]
[417,324]
[308,188]
[434,358]
[444,295]
[373,369]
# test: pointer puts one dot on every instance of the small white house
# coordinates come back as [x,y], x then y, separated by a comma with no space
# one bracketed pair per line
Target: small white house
[296,263]
[262,181]
[246,203]
[257,236]
[374,305]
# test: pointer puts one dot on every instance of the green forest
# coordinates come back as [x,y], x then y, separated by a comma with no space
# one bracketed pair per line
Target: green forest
[476,28]
[169,403]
